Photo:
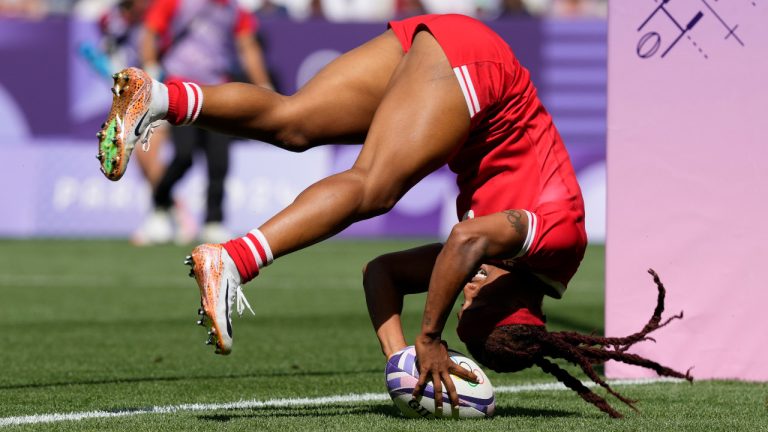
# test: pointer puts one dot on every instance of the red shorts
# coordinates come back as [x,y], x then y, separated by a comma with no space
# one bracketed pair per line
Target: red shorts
[514,157]
[474,51]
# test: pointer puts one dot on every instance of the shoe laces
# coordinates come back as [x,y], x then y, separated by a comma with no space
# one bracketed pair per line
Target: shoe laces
[147,134]
[242,302]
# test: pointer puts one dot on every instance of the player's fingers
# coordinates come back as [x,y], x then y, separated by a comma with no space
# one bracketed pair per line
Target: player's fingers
[451,390]
[418,389]
[463,373]
[438,387]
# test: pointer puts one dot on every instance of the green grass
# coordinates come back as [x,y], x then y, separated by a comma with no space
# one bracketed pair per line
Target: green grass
[100,325]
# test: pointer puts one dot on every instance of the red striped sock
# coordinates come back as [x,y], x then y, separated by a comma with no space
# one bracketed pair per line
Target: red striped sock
[250,253]
[185,101]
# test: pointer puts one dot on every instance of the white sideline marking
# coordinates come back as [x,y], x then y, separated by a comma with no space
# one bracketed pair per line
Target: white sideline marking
[272,403]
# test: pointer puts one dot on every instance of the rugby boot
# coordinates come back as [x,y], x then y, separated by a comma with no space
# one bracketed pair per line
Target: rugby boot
[131,120]
[220,291]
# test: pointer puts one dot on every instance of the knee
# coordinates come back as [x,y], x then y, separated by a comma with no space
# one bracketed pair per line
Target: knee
[368,196]
[378,196]
[377,204]
[293,139]
[292,133]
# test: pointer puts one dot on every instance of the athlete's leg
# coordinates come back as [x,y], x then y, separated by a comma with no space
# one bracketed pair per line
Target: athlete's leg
[419,124]
[386,280]
[152,167]
[185,141]
[216,147]
[337,105]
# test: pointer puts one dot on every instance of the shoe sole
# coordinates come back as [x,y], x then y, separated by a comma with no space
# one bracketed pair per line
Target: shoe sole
[130,101]
[208,276]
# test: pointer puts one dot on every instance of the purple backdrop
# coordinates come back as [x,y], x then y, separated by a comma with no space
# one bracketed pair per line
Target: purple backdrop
[52,101]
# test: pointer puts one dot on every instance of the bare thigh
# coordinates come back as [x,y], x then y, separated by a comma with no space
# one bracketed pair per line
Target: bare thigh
[338,104]
[420,123]
[335,106]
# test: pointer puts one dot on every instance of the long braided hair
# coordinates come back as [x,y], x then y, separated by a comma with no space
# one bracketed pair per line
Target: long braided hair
[511,348]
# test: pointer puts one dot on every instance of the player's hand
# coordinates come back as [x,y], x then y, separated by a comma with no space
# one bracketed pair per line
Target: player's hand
[435,365]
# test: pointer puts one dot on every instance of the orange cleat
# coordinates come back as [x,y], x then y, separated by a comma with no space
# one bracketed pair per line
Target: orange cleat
[130,120]
[219,283]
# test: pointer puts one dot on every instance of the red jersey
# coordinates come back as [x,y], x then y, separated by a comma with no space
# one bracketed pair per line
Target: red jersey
[199,37]
[161,12]
[513,157]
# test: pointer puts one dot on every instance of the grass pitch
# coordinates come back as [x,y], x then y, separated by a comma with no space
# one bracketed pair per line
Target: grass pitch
[102,326]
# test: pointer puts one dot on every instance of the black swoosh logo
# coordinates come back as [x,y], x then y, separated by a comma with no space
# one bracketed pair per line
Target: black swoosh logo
[226,299]
[138,126]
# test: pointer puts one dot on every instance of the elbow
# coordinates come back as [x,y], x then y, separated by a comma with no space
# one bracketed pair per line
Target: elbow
[468,242]
[373,272]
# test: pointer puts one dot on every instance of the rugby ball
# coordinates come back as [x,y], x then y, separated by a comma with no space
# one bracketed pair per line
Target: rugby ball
[476,400]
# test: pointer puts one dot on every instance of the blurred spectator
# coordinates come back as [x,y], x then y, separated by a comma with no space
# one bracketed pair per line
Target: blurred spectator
[537,7]
[93,10]
[579,8]
[268,9]
[120,27]
[342,10]
[512,8]
[296,9]
[316,9]
[408,8]
[465,7]
[199,41]
[31,9]
[358,10]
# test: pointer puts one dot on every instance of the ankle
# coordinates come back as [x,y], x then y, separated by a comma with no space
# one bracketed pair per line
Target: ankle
[185,101]
[158,105]
[250,253]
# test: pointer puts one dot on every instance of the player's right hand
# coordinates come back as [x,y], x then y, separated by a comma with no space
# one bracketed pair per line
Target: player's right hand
[435,365]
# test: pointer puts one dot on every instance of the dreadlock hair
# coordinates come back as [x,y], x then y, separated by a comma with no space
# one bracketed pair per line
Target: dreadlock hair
[515,347]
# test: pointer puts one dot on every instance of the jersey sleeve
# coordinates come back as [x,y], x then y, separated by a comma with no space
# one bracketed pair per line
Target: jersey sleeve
[159,15]
[245,23]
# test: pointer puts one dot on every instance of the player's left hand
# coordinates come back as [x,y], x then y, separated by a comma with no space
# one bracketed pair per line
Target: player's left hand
[435,365]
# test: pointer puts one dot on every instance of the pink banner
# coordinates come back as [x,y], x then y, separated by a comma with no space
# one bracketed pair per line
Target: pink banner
[687,181]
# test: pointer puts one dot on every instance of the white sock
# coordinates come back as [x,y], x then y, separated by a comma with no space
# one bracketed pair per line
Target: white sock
[158,106]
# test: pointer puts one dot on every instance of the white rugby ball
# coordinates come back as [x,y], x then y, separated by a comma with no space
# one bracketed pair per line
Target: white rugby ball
[476,400]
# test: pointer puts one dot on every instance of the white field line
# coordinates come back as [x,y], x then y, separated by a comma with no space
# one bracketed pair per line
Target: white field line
[278,403]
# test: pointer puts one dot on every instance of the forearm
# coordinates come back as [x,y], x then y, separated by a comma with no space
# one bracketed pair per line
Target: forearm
[387,280]
[385,305]
[252,59]
[455,264]
[499,235]
[148,53]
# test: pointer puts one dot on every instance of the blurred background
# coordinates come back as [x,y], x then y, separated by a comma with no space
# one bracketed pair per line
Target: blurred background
[58,56]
